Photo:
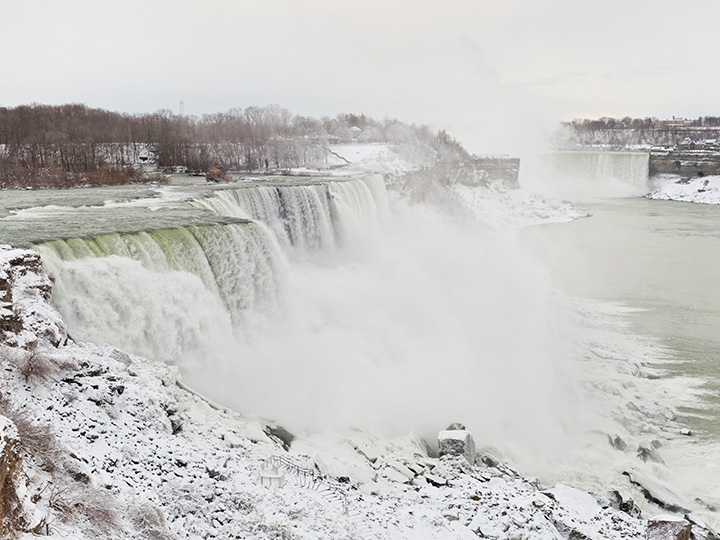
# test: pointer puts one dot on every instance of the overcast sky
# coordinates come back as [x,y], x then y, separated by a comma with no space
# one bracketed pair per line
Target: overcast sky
[480,69]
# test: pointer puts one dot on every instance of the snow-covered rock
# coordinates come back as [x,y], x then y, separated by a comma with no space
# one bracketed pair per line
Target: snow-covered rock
[457,441]
[669,529]
[657,493]
[503,208]
[704,189]
[26,315]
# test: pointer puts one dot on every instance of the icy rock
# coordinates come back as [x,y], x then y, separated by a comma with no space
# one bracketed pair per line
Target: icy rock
[647,451]
[632,407]
[582,503]
[435,480]
[10,471]
[371,453]
[232,440]
[280,435]
[626,504]
[457,442]
[603,501]
[657,493]
[700,531]
[489,456]
[255,432]
[617,443]
[402,469]
[665,529]
[686,432]
[121,357]
[391,473]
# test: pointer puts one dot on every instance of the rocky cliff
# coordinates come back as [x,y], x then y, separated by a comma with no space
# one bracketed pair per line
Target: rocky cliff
[26,316]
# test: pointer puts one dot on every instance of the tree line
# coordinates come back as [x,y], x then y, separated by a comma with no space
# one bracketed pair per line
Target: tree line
[58,145]
[620,132]
[607,123]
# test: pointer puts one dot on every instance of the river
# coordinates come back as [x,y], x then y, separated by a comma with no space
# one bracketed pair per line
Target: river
[660,256]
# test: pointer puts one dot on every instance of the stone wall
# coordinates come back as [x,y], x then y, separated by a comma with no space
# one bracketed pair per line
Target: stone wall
[685,164]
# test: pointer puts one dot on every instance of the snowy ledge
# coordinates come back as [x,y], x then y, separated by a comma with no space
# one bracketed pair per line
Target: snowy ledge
[703,190]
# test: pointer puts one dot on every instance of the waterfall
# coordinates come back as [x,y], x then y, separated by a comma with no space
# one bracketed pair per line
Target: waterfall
[162,293]
[308,217]
[599,173]
[169,292]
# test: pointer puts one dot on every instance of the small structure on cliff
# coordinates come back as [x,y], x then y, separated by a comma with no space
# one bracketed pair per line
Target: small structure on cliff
[456,440]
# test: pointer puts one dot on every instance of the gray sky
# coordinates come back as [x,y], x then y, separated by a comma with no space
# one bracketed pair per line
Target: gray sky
[495,74]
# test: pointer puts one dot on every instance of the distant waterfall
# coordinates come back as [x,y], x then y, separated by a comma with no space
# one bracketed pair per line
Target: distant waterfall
[602,173]
[308,217]
[161,293]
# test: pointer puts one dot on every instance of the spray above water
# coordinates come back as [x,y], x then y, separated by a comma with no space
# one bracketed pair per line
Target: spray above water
[436,323]
[325,314]
[580,175]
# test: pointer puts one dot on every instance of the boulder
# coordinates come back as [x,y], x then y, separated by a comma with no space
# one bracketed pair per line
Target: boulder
[657,493]
[12,516]
[626,504]
[617,443]
[647,451]
[666,529]
[457,442]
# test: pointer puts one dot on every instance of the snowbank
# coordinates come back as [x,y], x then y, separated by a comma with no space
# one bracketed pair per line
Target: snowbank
[704,190]
[501,208]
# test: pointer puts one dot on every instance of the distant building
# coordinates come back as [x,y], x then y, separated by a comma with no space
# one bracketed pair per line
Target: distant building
[674,123]
[355,133]
[688,144]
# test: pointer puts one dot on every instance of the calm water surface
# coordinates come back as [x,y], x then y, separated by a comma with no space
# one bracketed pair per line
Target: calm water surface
[660,256]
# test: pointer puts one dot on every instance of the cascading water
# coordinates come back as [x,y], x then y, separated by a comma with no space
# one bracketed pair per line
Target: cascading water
[307,217]
[597,173]
[182,289]
[162,293]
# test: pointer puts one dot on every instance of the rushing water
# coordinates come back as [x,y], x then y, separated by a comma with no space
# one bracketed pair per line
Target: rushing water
[615,173]
[163,271]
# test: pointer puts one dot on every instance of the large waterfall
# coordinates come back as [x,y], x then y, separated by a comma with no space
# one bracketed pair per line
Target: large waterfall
[598,173]
[168,293]
[159,293]
[308,217]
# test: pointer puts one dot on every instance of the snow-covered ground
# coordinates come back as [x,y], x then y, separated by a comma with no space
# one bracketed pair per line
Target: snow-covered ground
[114,446]
[705,190]
[506,209]
[380,158]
